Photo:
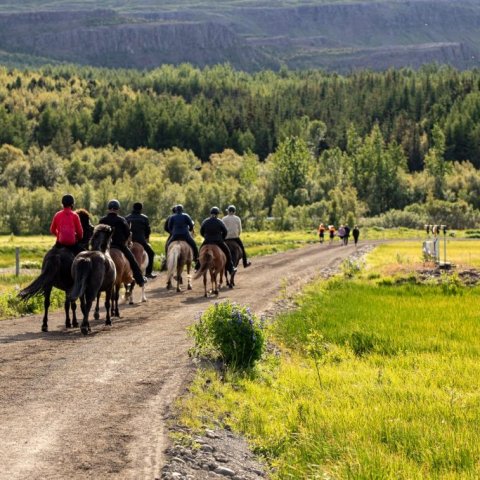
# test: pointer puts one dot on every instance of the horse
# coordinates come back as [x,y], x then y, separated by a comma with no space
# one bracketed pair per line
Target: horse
[237,254]
[179,255]
[212,260]
[94,272]
[56,272]
[124,277]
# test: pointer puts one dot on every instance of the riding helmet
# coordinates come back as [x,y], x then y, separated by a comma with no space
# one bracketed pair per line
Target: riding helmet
[68,200]
[174,209]
[214,211]
[179,208]
[138,206]
[231,208]
[113,205]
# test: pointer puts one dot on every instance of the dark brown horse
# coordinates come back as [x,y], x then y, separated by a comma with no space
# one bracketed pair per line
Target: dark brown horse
[237,254]
[212,260]
[56,272]
[94,272]
[179,254]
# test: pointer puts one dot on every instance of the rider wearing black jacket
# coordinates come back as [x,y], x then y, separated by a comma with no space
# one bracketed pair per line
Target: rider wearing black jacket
[180,226]
[120,237]
[214,232]
[140,227]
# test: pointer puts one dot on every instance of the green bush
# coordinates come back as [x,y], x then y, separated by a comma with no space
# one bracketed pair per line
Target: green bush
[228,332]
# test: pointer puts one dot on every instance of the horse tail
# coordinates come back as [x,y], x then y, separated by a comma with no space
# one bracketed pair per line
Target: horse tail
[172,261]
[46,277]
[83,269]
[205,263]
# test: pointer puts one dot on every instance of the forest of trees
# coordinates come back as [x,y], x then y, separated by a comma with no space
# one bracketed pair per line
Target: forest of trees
[288,148]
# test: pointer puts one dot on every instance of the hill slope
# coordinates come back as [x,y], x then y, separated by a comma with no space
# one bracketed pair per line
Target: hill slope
[249,35]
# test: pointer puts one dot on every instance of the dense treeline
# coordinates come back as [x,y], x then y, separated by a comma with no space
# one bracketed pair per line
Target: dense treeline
[297,146]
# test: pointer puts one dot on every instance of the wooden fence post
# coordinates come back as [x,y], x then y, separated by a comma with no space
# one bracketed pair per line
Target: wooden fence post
[17,261]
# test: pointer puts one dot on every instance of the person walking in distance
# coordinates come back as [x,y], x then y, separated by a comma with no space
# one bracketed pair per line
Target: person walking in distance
[331,233]
[321,232]
[234,230]
[121,235]
[140,228]
[356,234]
[347,235]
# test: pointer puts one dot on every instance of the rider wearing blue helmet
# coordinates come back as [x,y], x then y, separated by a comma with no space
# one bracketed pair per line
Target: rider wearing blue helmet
[180,226]
[214,232]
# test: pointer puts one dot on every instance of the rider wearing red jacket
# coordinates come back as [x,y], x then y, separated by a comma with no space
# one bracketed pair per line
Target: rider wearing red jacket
[66,226]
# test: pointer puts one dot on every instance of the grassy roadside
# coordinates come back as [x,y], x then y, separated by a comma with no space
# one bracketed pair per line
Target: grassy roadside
[396,394]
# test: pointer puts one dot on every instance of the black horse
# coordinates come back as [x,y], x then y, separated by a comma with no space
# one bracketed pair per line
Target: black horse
[94,272]
[56,272]
[236,252]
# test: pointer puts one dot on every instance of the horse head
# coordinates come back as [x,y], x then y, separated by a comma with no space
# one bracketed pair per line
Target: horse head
[102,237]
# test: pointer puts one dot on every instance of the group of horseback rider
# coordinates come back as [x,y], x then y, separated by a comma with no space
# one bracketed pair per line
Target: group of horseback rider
[70,233]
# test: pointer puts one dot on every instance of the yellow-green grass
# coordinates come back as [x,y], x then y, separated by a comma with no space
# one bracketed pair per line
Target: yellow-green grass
[408,255]
[397,396]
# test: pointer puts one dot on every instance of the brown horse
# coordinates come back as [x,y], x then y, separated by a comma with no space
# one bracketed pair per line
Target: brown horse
[212,260]
[124,277]
[237,254]
[179,254]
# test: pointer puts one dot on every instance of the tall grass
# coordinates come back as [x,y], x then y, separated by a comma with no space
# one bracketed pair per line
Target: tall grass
[398,392]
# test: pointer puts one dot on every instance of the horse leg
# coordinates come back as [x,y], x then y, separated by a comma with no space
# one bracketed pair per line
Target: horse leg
[66,307]
[96,315]
[108,296]
[205,283]
[189,277]
[132,285]
[169,282]
[179,275]
[74,314]
[116,297]
[144,297]
[46,306]
[87,305]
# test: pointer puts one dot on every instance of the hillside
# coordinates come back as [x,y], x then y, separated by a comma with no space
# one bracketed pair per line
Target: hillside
[250,35]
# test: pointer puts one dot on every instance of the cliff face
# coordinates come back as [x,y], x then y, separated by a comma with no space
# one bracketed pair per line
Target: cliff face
[339,36]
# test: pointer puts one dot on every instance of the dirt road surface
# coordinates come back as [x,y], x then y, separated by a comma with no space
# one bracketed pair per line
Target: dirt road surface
[78,407]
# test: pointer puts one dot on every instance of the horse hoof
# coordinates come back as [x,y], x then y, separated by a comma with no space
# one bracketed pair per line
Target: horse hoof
[130,302]
[178,290]
[68,325]
[85,330]
[75,325]
[44,328]
[230,286]
[189,287]
[96,316]
[108,322]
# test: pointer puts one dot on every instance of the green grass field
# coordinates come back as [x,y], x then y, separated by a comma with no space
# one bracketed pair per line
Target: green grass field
[397,391]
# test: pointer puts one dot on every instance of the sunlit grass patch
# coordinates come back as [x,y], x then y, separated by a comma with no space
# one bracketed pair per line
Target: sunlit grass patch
[399,392]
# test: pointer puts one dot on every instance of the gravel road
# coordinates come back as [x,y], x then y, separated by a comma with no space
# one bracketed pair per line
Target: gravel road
[93,407]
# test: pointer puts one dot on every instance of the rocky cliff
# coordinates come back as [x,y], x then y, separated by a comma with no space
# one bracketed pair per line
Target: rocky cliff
[340,36]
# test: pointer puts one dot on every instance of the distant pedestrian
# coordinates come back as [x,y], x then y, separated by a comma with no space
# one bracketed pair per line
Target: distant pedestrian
[347,235]
[321,232]
[341,233]
[356,234]
[331,233]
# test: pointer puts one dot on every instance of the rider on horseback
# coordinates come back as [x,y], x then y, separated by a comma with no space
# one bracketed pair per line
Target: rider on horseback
[179,226]
[66,226]
[214,232]
[234,227]
[140,226]
[120,237]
